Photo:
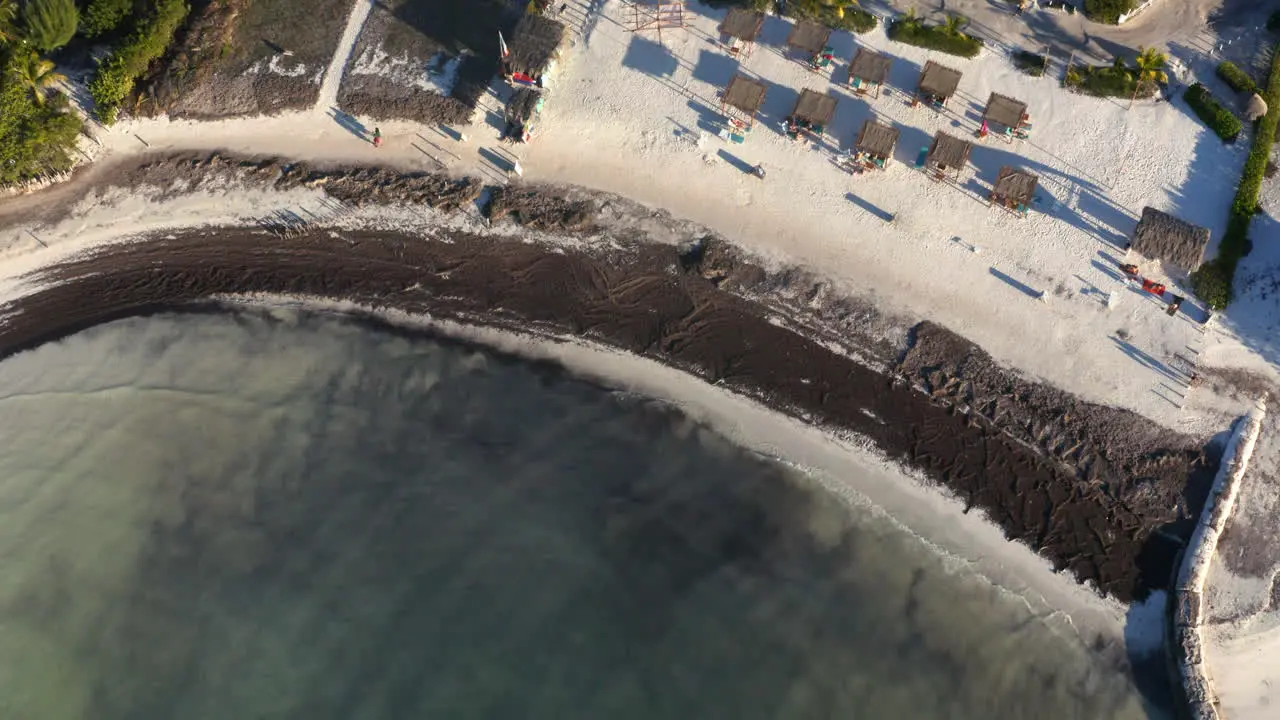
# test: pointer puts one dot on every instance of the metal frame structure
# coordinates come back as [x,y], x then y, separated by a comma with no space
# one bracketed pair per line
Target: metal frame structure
[659,16]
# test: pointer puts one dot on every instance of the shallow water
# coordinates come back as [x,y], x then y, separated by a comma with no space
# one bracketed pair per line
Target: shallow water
[252,516]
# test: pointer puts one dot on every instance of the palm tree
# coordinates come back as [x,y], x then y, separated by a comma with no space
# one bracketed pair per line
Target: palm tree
[37,75]
[1150,64]
[50,24]
[8,16]
[955,23]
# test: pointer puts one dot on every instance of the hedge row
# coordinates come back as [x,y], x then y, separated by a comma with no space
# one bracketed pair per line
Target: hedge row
[856,20]
[1238,79]
[1218,118]
[935,37]
[1107,81]
[1107,11]
[116,75]
[851,18]
[1213,281]
[1030,63]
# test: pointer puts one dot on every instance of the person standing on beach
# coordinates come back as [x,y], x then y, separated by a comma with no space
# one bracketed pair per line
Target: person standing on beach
[377,137]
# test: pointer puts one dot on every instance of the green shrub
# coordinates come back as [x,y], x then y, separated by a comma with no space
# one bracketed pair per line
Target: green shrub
[944,38]
[753,4]
[1108,81]
[1213,282]
[1107,11]
[1273,22]
[846,16]
[1029,62]
[103,16]
[35,138]
[1219,119]
[50,24]
[1238,79]
[857,20]
[115,77]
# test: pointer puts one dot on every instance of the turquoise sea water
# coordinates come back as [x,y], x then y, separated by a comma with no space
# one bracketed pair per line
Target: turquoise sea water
[253,516]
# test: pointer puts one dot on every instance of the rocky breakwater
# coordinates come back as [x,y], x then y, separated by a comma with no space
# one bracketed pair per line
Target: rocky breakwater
[1188,609]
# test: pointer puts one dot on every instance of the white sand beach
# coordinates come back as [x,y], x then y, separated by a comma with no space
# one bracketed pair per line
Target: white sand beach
[632,116]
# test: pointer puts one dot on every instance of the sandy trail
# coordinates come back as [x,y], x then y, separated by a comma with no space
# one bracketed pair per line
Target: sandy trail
[342,55]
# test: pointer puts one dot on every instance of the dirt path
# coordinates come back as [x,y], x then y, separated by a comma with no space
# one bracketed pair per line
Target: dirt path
[342,55]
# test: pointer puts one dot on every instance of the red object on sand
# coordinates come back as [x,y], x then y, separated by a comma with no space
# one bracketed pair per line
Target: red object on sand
[1152,286]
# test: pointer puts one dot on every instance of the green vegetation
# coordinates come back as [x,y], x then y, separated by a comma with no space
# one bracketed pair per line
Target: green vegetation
[838,14]
[38,131]
[1213,281]
[1030,63]
[1118,79]
[8,22]
[753,4]
[103,16]
[1114,80]
[117,74]
[50,24]
[1273,22]
[34,73]
[1107,11]
[947,38]
[1238,79]
[1218,118]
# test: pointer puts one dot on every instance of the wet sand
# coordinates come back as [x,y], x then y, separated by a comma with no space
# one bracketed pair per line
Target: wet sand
[1091,506]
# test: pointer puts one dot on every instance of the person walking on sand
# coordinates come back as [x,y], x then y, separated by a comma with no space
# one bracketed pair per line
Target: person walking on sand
[377,137]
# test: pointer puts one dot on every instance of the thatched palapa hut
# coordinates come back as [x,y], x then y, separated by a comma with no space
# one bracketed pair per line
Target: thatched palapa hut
[813,112]
[1015,189]
[535,45]
[1161,236]
[1257,108]
[937,83]
[521,111]
[742,27]
[876,142]
[809,36]
[948,155]
[745,95]
[868,71]
[1005,111]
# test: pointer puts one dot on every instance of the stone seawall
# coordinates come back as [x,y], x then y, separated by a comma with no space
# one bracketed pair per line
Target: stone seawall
[1129,15]
[1188,611]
